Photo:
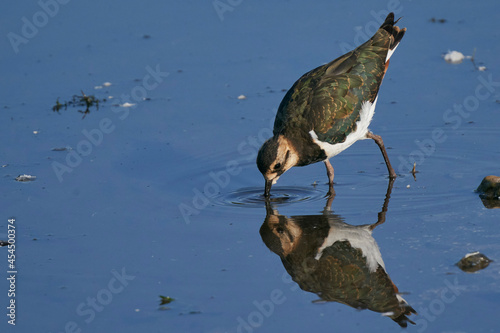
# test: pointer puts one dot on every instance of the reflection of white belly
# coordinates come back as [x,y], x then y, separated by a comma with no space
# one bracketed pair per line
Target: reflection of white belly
[360,237]
[366,115]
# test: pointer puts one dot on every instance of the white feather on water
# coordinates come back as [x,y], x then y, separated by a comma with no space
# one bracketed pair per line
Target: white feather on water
[454,57]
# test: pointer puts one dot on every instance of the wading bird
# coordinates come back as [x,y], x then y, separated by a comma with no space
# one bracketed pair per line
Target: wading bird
[330,108]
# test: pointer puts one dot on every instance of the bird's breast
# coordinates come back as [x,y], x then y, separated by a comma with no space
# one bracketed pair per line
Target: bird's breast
[366,115]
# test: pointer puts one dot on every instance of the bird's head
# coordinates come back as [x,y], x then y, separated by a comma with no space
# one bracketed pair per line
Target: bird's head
[275,157]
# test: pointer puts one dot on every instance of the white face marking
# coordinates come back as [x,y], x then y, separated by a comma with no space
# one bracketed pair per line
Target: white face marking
[366,115]
[286,156]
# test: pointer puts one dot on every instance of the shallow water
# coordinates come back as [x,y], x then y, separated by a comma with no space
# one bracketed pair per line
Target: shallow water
[164,198]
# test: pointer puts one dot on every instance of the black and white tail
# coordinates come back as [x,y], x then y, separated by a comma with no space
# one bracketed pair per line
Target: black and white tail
[395,32]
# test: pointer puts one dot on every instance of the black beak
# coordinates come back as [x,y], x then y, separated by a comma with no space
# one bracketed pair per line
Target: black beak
[267,189]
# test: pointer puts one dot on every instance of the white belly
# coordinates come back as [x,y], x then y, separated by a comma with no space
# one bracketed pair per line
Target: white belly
[360,237]
[366,115]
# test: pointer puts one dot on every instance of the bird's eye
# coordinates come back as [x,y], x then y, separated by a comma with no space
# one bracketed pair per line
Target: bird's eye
[277,166]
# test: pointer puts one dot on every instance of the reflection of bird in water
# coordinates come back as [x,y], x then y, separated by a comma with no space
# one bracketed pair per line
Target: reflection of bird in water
[337,261]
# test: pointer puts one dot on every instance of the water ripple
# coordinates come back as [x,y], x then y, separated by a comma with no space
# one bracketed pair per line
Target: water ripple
[253,197]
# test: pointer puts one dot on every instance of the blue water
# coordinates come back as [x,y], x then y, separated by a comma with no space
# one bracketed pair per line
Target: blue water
[161,198]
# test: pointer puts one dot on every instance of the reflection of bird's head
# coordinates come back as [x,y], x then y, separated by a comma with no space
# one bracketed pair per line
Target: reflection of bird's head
[280,234]
[293,236]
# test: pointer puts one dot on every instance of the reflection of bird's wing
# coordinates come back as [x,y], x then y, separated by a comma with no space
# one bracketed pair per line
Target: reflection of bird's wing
[360,237]
[342,275]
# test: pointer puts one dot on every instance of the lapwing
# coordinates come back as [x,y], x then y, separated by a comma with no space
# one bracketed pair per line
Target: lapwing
[330,108]
[335,260]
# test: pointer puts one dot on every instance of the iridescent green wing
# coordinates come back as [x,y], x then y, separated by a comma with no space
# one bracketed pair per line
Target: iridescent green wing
[346,85]
[328,99]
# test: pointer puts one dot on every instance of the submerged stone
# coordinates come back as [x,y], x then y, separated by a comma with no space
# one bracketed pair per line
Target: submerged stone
[489,191]
[489,187]
[473,262]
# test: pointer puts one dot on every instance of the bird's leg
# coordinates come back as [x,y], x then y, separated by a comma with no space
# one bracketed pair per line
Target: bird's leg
[385,206]
[330,173]
[380,143]
[328,206]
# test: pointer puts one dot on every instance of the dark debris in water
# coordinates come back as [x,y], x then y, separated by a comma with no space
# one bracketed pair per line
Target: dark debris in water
[435,20]
[414,171]
[473,262]
[61,149]
[87,101]
[164,308]
[166,300]
[190,313]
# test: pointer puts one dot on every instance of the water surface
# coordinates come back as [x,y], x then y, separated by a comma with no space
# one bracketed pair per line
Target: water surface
[163,197]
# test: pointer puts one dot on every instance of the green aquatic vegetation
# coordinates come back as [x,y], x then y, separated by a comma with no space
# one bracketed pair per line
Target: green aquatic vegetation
[83,100]
[166,300]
